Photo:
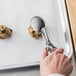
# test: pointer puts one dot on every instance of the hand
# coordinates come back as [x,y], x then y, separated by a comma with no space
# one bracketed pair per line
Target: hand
[56,62]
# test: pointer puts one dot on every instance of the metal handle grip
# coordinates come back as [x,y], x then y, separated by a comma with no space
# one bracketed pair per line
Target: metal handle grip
[50,47]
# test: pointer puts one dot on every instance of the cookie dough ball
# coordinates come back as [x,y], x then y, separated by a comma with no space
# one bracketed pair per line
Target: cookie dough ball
[33,33]
[5,32]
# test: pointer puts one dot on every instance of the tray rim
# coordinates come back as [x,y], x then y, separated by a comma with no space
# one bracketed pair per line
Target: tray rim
[67,24]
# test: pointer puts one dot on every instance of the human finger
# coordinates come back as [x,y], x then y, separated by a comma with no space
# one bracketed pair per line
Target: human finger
[58,51]
[44,54]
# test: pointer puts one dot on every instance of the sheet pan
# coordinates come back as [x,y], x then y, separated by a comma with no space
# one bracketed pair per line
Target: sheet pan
[21,50]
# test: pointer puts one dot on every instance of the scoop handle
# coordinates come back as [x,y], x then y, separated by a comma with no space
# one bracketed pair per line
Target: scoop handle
[49,46]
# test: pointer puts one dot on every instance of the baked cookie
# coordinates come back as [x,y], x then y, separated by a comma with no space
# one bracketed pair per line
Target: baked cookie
[5,32]
[33,33]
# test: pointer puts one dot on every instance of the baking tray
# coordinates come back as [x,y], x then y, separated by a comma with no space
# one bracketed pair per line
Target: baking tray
[21,50]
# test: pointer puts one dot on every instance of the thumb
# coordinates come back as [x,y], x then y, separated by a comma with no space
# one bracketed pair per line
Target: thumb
[44,54]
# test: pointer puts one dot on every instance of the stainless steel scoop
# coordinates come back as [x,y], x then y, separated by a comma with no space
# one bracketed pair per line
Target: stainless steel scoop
[39,26]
